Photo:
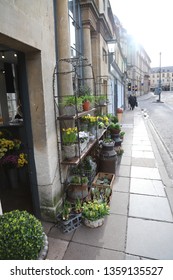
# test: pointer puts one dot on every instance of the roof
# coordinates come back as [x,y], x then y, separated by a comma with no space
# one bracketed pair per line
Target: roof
[163,69]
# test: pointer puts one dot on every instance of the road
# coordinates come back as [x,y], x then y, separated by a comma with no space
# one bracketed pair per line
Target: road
[161,115]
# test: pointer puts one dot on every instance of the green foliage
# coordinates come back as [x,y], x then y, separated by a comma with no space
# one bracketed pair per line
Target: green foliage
[114,119]
[108,141]
[122,133]
[85,90]
[120,151]
[21,236]
[76,179]
[114,126]
[89,98]
[67,207]
[71,100]
[78,206]
[93,210]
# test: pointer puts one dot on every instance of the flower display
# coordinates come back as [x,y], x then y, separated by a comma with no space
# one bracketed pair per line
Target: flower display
[22,160]
[93,210]
[7,145]
[11,155]
[69,135]
[89,119]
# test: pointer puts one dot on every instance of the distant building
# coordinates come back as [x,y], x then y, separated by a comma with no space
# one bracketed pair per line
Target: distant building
[166,77]
[138,68]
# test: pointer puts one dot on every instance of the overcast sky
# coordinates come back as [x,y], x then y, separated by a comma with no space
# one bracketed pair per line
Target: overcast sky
[151,24]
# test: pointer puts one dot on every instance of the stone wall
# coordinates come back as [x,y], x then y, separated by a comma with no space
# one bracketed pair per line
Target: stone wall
[28,26]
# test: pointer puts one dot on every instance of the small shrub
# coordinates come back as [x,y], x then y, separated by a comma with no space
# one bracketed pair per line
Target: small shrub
[21,236]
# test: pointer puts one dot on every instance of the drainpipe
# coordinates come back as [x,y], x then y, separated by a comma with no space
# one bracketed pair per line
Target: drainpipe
[56,40]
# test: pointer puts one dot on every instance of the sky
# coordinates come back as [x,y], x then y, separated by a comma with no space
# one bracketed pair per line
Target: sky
[150,22]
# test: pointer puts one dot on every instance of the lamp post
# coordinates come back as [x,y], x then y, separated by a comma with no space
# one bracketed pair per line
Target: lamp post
[160,85]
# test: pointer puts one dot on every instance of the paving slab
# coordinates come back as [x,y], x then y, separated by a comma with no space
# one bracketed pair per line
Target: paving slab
[57,249]
[145,172]
[147,187]
[56,233]
[142,154]
[121,184]
[119,203]
[124,171]
[138,147]
[150,239]
[145,162]
[111,235]
[126,160]
[138,141]
[150,207]
[78,251]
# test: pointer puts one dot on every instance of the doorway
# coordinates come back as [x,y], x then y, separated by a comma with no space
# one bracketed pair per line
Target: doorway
[18,184]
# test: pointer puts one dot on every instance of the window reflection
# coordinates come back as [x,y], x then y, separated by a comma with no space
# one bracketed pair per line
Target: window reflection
[75,27]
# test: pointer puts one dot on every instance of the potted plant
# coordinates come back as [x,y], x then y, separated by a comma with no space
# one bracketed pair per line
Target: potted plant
[21,236]
[114,128]
[104,180]
[101,194]
[119,114]
[93,213]
[87,102]
[87,96]
[83,141]
[68,220]
[72,104]
[108,142]
[101,99]
[67,207]
[12,158]
[119,152]
[121,134]
[119,110]
[78,206]
[77,187]
[113,119]
[69,139]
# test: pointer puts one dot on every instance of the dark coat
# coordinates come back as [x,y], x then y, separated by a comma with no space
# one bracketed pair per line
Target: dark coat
[132,101]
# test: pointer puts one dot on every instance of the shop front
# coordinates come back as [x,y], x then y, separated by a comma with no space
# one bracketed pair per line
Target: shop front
[17,168]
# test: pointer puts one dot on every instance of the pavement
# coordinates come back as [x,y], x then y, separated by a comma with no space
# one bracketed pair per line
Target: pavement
[140,224]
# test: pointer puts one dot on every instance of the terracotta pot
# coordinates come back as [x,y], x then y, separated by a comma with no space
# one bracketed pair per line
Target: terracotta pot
[119,110]
[86,105]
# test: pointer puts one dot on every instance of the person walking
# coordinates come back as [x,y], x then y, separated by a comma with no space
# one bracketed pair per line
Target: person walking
[132,101]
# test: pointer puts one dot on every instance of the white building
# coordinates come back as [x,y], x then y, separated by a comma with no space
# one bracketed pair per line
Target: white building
[165,75]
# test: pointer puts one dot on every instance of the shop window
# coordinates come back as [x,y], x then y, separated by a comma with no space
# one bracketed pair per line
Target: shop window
[75,27]
[9,95]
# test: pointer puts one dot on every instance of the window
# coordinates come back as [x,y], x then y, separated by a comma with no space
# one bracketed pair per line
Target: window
[104,5]
[104,55]
[75,27]
[9,94]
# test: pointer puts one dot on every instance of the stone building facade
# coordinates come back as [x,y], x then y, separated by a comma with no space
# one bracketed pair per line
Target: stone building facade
[38,39]
[138,67]
[166,75]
